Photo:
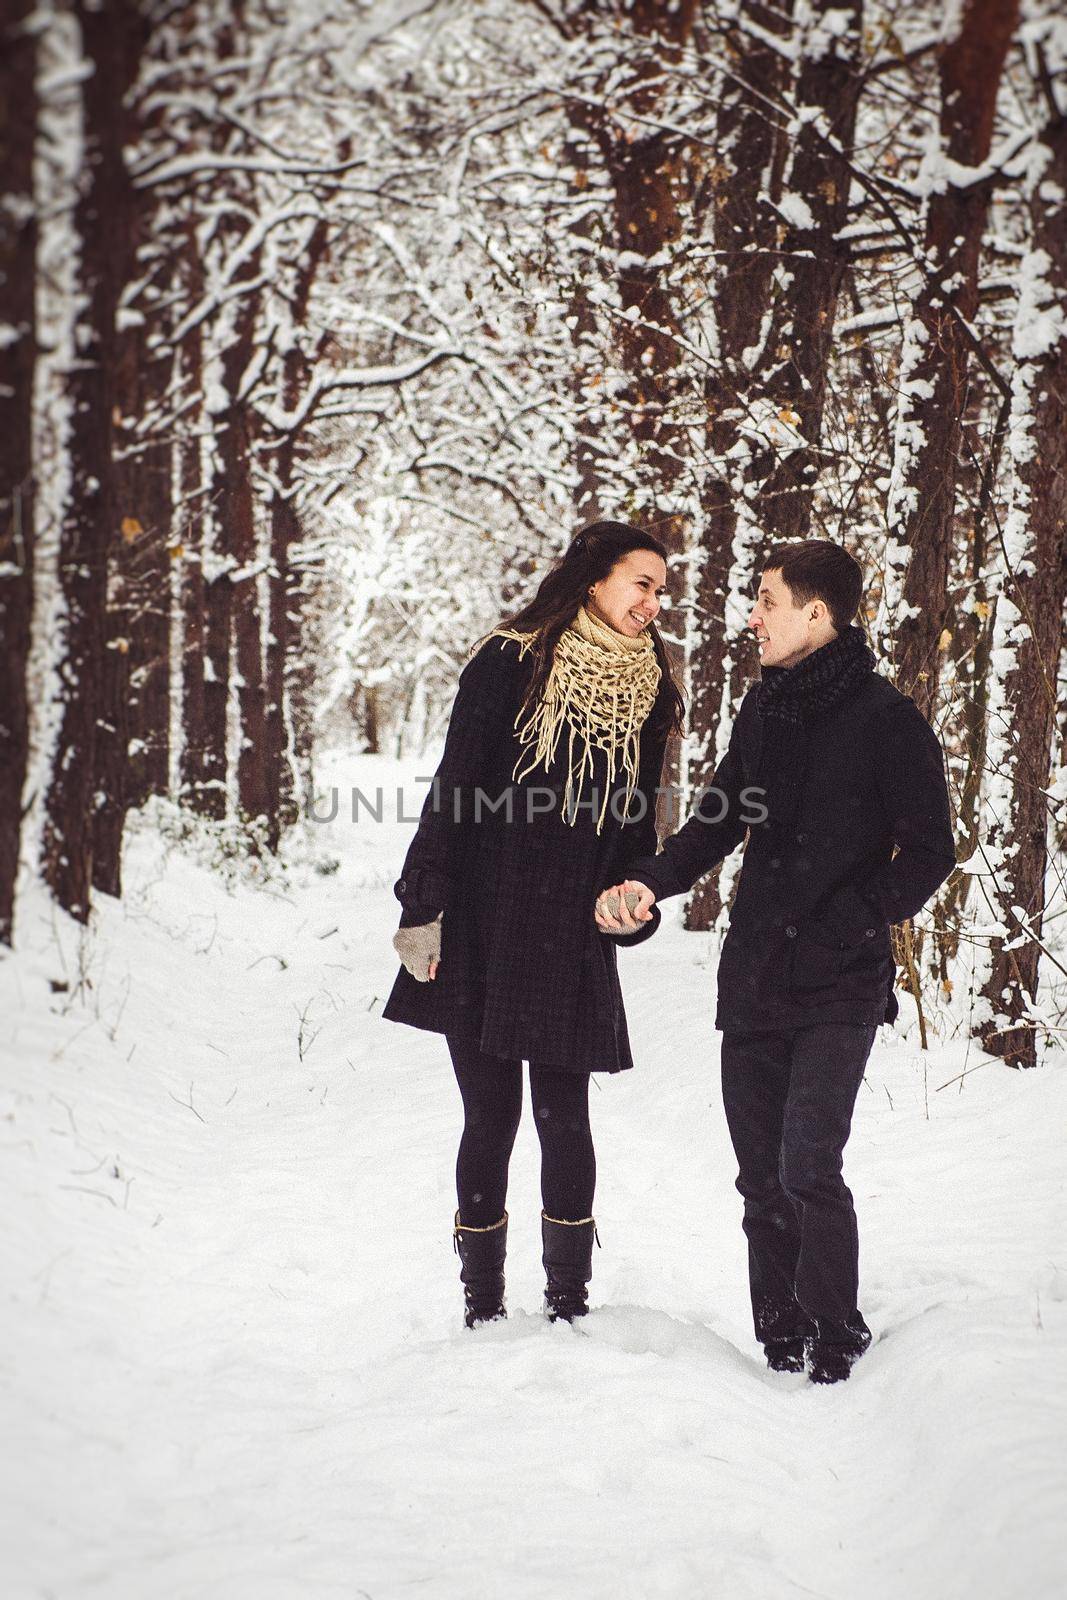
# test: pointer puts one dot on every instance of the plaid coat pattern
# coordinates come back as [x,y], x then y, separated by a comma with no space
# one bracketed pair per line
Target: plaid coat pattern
[524,967]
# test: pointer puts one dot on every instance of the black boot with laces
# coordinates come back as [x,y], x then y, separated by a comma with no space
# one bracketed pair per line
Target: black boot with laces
[836,1348]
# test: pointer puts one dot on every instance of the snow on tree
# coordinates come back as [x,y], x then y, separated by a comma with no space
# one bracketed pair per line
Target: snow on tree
[956,180]
[1029,604]
[18,353]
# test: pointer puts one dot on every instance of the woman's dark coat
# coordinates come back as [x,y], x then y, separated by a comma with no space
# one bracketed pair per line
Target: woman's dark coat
[847,784]
[523,965]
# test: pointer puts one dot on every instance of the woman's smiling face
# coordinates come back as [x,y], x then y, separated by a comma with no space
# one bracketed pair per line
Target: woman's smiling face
[629,598]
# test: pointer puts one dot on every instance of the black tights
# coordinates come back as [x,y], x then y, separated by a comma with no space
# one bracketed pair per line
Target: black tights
[491,1087]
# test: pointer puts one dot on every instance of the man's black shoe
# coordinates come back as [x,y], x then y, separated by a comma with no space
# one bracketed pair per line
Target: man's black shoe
[830,1363]
[785,1355]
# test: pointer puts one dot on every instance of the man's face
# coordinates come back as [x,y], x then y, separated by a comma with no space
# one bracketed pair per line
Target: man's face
[787,632]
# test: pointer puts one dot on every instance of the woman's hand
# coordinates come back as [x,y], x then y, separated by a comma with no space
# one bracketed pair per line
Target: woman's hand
[419,949]
[624,908]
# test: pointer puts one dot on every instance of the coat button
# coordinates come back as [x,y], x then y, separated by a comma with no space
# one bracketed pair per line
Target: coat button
[402,886]
[802,838]
[871,932]
[776,861]
[790,932]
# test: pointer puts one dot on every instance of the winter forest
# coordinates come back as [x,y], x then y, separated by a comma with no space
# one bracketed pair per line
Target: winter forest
[323,327]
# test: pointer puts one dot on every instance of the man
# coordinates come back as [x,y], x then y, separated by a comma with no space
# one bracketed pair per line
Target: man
[857,835]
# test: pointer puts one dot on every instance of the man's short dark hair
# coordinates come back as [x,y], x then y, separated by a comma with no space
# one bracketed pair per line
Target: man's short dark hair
[818,569]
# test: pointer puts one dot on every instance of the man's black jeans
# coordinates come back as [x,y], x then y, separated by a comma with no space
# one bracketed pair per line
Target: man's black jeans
[789,1099]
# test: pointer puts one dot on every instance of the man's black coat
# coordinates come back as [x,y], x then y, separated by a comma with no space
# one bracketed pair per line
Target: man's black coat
[852,772]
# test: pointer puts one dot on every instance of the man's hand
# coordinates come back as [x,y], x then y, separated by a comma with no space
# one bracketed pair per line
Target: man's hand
[624,908]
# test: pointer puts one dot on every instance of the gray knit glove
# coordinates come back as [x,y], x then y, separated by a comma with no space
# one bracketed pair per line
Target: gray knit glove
[419,947]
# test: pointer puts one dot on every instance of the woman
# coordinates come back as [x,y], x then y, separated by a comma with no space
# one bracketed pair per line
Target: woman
[553,754]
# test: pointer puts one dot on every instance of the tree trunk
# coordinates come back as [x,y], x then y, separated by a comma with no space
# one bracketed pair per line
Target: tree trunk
[117,719]
[632,444]
[937,354]
[282,810]
[134,729]
[229,527]
[369,720]
[586,235]
[194,769]
[112,741]
[299,680]
[777,199]
[641,180]
[973,647]
[236,523]
[737,184]
[649,172]
[790,382]
[1029,620]
[150,631]
[88,517]
[283,643]
[191,771]
[213,792]
[18,354]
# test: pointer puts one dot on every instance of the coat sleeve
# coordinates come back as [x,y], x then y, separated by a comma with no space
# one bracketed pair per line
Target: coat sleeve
[482,712]
[715,828]
[909,769]
[639,837]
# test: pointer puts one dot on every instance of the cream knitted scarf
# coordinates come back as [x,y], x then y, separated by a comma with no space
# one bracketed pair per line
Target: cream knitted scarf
[601,687]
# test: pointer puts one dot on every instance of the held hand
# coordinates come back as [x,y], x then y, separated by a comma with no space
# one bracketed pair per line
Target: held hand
[624,908]
[419,949]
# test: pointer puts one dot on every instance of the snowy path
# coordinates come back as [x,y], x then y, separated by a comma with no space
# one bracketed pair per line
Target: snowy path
[232,1361]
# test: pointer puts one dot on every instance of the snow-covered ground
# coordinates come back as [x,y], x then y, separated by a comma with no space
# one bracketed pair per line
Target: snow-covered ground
[232,1356]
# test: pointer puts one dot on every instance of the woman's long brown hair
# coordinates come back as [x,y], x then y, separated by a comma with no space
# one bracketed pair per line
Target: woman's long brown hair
[588,559]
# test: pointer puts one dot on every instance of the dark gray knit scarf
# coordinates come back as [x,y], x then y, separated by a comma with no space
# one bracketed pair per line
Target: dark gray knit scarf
[796,694]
